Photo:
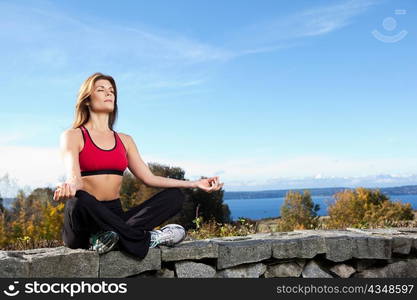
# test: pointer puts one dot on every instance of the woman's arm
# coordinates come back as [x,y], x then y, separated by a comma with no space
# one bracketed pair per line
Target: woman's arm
[141,170]
[69,154]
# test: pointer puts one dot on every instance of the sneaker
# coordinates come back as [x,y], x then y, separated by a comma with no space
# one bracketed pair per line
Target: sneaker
[103,241]
[168,235]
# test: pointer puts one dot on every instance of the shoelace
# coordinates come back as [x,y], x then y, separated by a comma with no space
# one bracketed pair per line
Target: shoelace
[101,240]
[159,237]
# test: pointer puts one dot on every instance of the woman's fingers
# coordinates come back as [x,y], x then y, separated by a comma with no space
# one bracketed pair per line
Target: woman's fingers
[56,195]
[219,186]
[215,185]
[64,191]
[67,191]
[61,192]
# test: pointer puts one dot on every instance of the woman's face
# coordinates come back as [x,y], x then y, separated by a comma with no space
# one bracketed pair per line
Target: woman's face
[102,97]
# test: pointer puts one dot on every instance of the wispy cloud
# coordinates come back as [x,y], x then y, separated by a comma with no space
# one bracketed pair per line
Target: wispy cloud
[49,40]
[157,56]
[287,31]
[319,21]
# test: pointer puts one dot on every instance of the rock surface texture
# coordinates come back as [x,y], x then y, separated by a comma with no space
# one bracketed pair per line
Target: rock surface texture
[371,253]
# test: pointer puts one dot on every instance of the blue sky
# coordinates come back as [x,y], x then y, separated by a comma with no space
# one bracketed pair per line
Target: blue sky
[264,94]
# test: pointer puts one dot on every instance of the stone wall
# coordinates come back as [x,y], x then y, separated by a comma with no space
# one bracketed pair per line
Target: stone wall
[373,253]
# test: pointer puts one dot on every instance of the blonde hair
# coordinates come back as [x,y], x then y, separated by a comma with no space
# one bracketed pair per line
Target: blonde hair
[82,114]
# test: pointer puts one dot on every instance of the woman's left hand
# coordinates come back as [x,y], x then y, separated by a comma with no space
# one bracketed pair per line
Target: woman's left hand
[209,184]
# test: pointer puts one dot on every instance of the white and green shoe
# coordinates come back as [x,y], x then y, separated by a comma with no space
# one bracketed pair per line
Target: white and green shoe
[168,235]
[103,241]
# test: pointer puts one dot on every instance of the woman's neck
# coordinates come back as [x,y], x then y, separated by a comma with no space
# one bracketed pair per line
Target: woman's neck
[98,123]
[97,127]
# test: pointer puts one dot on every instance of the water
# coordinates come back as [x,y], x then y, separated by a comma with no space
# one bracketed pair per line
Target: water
[260,208]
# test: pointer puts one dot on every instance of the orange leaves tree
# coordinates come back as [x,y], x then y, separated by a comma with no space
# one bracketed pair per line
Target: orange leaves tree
[32,219]
[362,208]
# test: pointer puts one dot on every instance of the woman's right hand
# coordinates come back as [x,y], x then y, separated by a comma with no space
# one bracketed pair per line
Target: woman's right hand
[65,191]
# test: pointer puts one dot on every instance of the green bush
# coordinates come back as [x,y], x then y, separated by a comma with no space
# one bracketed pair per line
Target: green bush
[298,212]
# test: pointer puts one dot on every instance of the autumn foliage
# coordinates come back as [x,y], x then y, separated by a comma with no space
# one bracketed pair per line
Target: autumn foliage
[32,220]
[362,208]
[298,212]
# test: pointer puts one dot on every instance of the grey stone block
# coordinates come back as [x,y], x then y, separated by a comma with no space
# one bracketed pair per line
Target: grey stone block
[401,244]
[377,247]
[339,248]
[400,269]
[13,264]
[343,270]
[403,269]
[301,247]
[190,250]
[117,264]
[313,270]
[245,271]
[235,253]
[289,269]
[189,269]
[49,262]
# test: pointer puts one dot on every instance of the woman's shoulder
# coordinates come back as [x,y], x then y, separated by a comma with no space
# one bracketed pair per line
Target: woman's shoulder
[72,136]
[71,132]
[125,139]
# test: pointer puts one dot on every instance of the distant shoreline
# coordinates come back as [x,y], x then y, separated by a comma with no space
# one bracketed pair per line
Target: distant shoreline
[319,192]
[277,218]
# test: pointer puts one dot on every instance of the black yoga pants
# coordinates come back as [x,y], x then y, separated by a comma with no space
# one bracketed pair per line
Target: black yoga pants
[84,215]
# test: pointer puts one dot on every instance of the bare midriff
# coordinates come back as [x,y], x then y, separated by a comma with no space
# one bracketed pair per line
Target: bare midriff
[104,187]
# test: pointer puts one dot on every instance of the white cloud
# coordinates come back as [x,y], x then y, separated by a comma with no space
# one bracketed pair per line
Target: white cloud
[32,166]
[303,171]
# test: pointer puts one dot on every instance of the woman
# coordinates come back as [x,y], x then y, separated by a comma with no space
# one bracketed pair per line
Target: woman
[95,158]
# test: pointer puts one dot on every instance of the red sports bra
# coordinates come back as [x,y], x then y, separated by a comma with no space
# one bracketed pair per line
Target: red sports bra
[94,160]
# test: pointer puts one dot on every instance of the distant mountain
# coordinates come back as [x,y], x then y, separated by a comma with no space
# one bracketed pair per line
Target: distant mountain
[400,190]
